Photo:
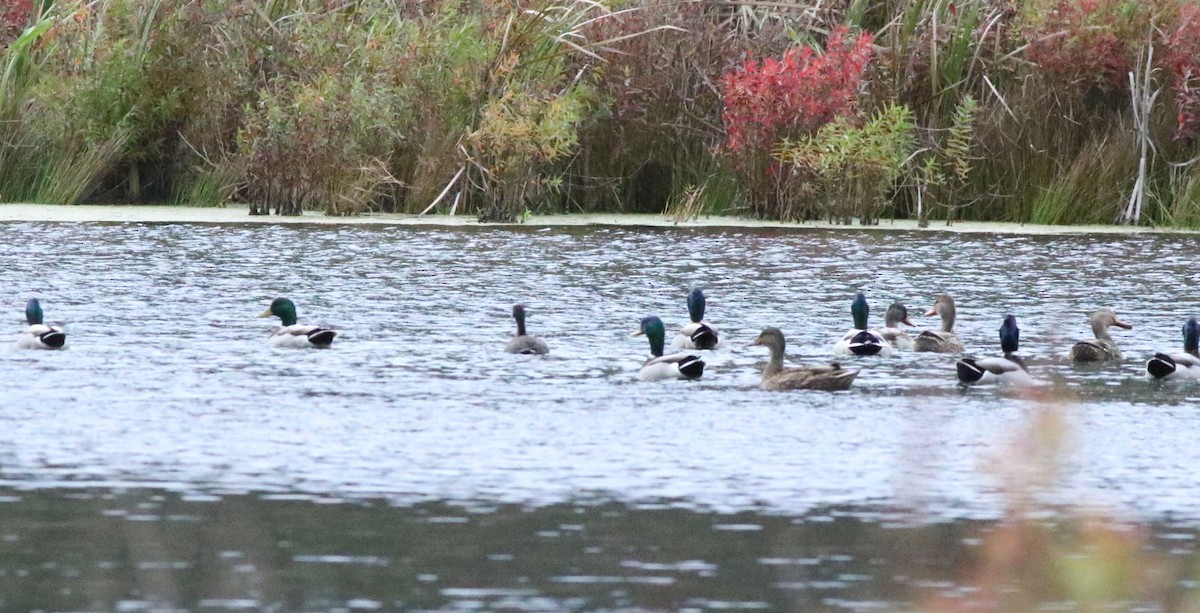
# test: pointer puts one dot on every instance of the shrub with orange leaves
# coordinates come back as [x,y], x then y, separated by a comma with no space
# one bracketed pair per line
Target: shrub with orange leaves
[1183,61]
[795,95]
[789,97]
[1087,42]
[13,19]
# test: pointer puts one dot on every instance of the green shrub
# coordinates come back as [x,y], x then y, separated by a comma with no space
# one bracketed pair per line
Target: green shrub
[942,170]
[854,168]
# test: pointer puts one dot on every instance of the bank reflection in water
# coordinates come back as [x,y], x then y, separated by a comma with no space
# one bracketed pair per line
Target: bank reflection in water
[146,550]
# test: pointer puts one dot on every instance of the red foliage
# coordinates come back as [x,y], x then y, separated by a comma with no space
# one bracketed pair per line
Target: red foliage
[1085,41]
[13,19]
[1183,60]
[795,95]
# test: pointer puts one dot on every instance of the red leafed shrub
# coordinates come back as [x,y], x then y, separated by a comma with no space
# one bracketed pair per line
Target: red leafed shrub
[1184,62]
[1087,42]
[788,98]
[794,95]
[13,18]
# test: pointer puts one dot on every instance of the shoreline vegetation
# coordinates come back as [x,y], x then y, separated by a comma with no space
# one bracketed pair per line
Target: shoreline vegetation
[239,214]
[1028,111]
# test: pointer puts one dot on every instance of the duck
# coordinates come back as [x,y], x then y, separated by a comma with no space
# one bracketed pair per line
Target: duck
[776,378]
[38,335]
[697,334]
[1182,365]
[522,342]
[292,334]
[1102,349]
[660,367]
[944,340]
[860,340]
[1007,369]
[891,332]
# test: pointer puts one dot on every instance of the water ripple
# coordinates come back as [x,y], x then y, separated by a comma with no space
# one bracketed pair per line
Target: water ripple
[169,381]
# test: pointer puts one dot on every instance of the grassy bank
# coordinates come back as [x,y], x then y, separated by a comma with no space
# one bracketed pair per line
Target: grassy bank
[1034,111]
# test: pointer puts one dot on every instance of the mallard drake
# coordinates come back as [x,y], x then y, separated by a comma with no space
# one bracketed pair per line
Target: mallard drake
[1008,369]
[38,335]
[891,332]
[860,340]
[944,340]
[776,378]
[659,366]
[1102,349]
[522,342]
[1182,365]
[697,334]
[292,334]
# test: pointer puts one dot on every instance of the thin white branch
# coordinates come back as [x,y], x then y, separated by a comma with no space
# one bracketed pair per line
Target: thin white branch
[444,191]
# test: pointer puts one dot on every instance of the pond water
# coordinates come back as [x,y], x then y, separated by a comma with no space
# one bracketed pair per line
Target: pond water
[415,451]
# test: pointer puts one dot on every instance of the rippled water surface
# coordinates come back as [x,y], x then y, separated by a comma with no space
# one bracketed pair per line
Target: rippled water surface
[169,385]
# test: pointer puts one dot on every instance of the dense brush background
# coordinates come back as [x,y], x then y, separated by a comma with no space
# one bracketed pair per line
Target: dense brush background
[1050,111]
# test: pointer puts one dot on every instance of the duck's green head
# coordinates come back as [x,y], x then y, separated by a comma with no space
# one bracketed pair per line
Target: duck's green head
[696,305]
[860,310]
[1010,334]
[1191,335]
[33,312]
[896,314]
[519,315]
[282,308]
[652,327]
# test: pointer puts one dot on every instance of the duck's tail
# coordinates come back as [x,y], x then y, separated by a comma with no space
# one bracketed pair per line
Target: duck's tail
[968,370]
[54,339]
[1160,366]
[704,338]
[691,367]
[865,343]
[321,337]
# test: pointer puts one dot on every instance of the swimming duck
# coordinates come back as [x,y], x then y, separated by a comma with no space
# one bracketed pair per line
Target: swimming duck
[38,335]
[698,334]
[1008,369]
[522,342]
[943,341]
[891,332]
[776,378]
[860,340]
[1103,348]
[292,334]
[1182,365]
[659,366]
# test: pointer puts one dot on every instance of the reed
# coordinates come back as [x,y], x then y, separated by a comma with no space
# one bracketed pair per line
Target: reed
[1094,188]
[20,70]
[1180,200]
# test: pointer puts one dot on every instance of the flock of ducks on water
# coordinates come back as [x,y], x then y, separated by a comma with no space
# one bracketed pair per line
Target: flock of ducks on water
[698,334]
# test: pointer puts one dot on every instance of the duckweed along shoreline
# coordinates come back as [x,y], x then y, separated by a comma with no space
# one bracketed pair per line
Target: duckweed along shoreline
[240,215]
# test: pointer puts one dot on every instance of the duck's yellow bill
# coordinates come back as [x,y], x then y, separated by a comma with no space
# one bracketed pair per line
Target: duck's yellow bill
[266,313]
[636,333]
